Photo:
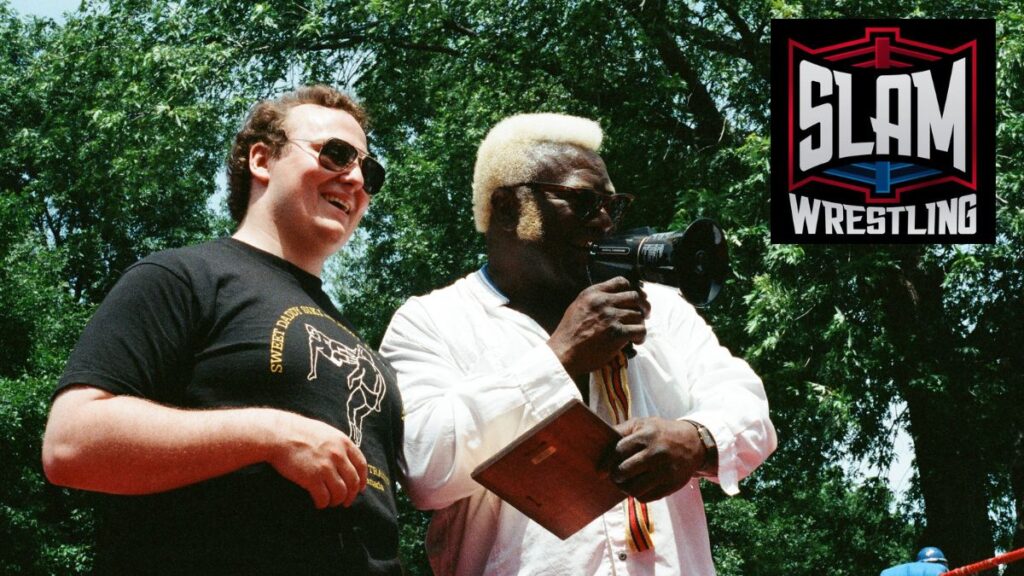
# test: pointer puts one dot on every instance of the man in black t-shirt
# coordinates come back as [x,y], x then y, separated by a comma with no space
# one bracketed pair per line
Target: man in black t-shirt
[234,418]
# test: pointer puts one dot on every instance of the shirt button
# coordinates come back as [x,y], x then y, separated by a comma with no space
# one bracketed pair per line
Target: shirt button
[622,556]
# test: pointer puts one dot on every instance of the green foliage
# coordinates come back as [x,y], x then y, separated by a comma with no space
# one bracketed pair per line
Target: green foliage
[45,530]
[414,529]
[112,144]
[834,523]
[119,141]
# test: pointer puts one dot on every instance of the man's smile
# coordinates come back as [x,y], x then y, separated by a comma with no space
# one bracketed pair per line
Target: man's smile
[337,202]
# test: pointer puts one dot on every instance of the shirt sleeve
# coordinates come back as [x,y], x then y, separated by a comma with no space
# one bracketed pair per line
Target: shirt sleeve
[458,416]
[138,342]
[727,397]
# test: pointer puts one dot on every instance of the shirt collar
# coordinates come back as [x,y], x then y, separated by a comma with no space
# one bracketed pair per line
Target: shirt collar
[487,289]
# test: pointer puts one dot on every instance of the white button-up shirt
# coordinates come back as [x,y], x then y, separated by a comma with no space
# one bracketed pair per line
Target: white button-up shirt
[475,374]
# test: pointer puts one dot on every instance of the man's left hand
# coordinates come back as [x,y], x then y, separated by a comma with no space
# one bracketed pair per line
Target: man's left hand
[656,457]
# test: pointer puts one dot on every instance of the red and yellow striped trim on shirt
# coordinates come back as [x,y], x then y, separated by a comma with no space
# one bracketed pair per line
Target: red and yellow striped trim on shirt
[615,391]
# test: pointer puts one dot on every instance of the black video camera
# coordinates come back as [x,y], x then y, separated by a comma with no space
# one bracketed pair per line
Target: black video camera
[695,261]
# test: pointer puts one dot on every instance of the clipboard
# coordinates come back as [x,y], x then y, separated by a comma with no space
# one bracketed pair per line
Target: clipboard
[550,473]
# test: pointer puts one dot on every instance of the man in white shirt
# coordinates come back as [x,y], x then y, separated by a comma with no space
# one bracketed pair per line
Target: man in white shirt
[481,361]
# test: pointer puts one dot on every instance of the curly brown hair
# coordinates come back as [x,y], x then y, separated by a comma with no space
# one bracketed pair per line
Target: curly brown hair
[265,124]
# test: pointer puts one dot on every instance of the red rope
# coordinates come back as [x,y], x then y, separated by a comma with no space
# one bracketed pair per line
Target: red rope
[1007,558]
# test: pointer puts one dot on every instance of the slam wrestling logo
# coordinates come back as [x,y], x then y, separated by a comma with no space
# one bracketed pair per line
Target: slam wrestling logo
[883,131]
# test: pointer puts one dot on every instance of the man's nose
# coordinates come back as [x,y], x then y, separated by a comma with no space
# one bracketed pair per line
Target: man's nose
[601,220]
[353,175]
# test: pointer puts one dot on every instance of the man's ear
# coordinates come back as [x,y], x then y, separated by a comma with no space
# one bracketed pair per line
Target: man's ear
[505,209]
[259,162]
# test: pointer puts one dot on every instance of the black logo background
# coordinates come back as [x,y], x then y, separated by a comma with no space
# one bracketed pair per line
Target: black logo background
[948,34]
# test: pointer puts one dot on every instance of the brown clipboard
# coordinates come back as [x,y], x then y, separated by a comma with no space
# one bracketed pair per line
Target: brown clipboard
[550,473]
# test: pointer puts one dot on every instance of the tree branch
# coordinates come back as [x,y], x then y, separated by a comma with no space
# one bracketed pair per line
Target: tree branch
[338,42]
[752,50]
[679,130]
[461,29]
[53,227]
[404,45]
[708,118]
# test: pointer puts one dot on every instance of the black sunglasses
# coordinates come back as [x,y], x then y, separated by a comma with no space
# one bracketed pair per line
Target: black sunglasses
[337,155]
[587,202]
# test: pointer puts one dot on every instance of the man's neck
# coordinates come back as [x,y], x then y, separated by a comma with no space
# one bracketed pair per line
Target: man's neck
[539,304]
[543,313]
[269,239]
[543,306]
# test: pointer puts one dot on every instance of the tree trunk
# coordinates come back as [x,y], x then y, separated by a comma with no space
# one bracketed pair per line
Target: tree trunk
[1017,485]
[952,478]
[935,381]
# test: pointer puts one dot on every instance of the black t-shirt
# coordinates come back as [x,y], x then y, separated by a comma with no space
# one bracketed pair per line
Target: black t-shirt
[219,325]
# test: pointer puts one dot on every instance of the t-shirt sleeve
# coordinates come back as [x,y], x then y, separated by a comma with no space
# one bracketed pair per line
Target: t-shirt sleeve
[139,341]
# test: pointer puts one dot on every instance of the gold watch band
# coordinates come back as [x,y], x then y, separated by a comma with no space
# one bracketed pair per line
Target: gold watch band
[710,448]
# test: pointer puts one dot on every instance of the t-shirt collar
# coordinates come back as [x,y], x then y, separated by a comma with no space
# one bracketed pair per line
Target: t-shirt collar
[304,278]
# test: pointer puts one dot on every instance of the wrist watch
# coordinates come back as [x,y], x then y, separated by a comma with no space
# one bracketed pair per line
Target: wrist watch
[710,448]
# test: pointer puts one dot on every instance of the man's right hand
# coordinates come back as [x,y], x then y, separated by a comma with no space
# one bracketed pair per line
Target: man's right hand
[102,442]
[598,324]
[319,458]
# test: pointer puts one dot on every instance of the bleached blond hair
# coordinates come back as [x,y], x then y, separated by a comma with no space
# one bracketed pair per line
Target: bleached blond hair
[504,158]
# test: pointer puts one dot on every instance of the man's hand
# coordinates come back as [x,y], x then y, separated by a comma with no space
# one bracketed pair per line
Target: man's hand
[320,459]
[656,457]
[98,441]
[599,323]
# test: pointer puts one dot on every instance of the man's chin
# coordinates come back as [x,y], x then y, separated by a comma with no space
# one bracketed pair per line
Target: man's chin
[333,233]
[578,281]
[577,268]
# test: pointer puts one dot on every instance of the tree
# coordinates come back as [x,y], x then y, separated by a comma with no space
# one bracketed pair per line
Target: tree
[113,144]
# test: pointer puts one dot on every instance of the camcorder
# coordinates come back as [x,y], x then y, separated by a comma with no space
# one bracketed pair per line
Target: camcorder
[696,261]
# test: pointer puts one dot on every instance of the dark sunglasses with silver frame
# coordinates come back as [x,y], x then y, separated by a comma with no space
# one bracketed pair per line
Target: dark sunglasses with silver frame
[586,202]
[338,155]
